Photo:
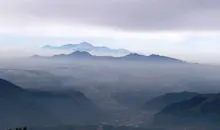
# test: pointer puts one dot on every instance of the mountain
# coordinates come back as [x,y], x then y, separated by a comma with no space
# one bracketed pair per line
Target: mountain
[80,54]
[129,57]
[135,56]
[20,107]
[70,106]
[158,103]
[84,46]
[17,107]
[151,58]
[155,57]
[202,110]
[95,50]
[76,54]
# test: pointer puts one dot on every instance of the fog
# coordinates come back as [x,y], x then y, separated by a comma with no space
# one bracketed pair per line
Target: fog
[119,88]
[113,74]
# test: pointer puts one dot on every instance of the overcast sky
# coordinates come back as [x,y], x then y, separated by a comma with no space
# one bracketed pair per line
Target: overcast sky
[186,29]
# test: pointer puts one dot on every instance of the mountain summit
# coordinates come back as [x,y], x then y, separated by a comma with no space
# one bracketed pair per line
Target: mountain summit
[95,50]
[86,44]
[80,54]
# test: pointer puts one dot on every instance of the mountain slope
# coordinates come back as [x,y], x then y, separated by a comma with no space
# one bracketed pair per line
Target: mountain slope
[85,46]
[154,57]
[203,109]
[18,108]
[34,107]
[71,107]
[158,103]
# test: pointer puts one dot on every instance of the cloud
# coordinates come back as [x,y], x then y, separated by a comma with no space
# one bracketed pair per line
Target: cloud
[187,29]
[128,15]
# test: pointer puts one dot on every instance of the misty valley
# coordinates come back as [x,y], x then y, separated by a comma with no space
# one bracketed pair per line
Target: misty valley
[109,65]
[134,92]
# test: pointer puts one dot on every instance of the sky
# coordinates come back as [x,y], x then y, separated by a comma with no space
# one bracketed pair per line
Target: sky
[185,29]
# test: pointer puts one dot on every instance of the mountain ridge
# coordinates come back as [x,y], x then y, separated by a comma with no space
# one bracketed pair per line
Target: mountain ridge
[85,46]
[130,57]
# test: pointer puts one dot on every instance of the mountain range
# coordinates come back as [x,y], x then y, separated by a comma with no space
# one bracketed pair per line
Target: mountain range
[83,55]
[95,50]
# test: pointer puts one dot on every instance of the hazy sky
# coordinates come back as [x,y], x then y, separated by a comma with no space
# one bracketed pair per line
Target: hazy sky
[186,29]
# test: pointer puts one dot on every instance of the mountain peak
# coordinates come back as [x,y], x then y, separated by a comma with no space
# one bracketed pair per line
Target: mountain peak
[80,54]
[133,55]
[154,55]
[86,44]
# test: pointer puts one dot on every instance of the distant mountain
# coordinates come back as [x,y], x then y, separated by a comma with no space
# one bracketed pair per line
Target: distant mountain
[155,57]
[135,56]
[80,54]
[158,103]
[95,50]
[84,46]
[151,58]
[76,54]
[129,57]
[202,110]
[20,107]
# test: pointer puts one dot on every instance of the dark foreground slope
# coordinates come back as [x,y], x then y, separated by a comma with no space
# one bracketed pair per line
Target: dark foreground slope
[158,103]
[200,111]
[21,107]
